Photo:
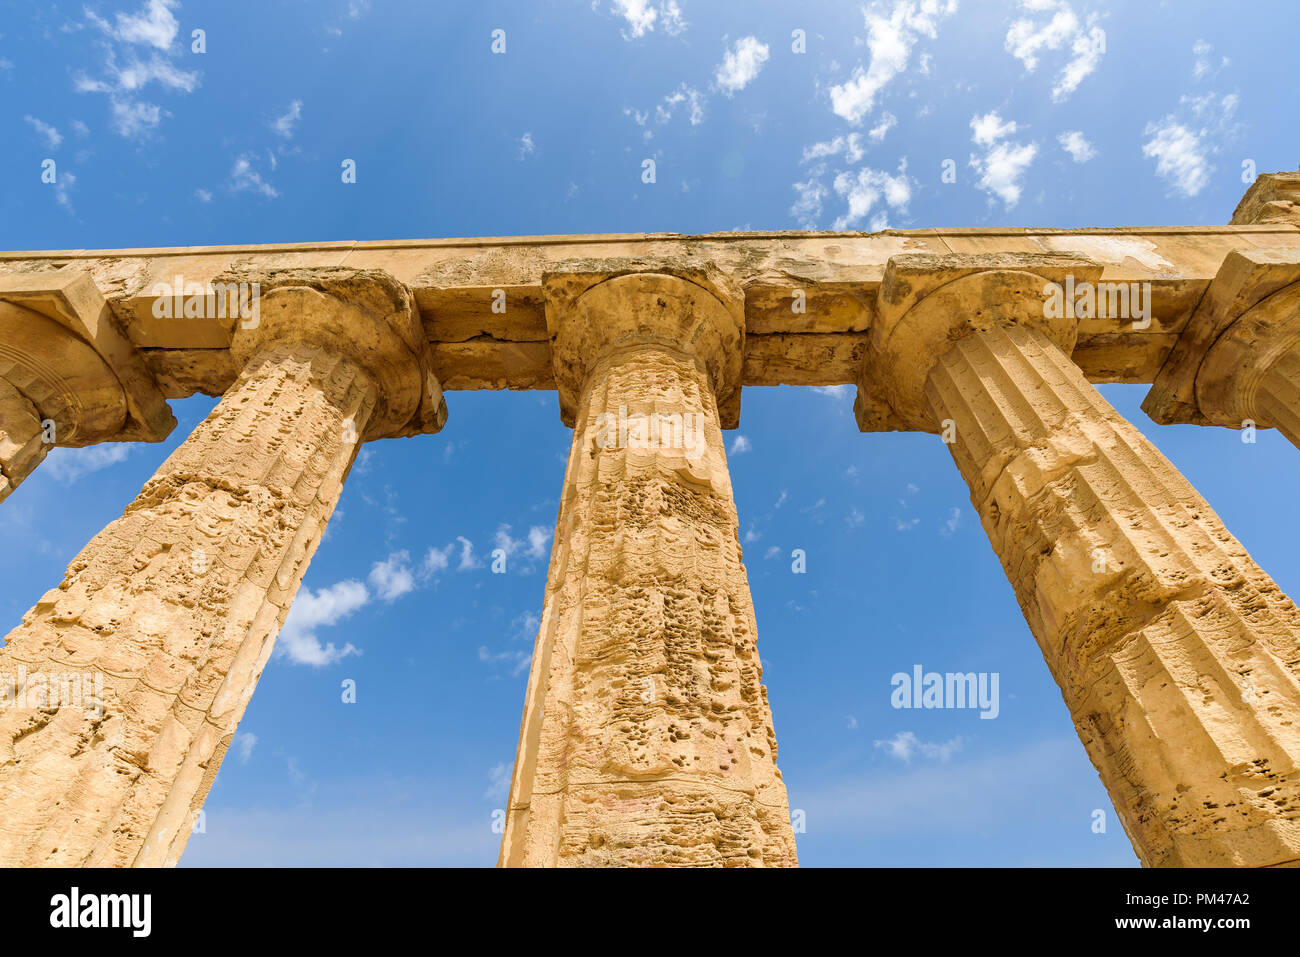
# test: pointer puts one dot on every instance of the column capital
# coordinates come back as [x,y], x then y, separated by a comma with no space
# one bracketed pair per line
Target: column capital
[363,315]
[60,345]
[928,302]
[68,376]
[597,307]
[1272,198]
[1245,322]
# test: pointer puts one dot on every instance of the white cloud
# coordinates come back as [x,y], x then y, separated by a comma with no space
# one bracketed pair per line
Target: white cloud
[850,146]
[741,65]
[1077,145]
[526,145]
[1003,163]
[51,135]
[989,128]
[313,610]
[243,178]
[392,578]
[153,26]
[642,15]
[203,195]
[890,40]
[1027,40]
[887,122]
[284,125]
[905,745]
[244,744]
[538,539]
[67,465]
[516,662]
[953,523]
[437,560]
[534,547]
[1180,155]
[865,189]
[63,189]
[499,787]
[740,444]
[683,94]
[134,119]
[467,560]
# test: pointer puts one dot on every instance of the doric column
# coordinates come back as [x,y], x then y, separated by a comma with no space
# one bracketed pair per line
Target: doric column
[1272,198]
[165,620]
[68,376]
[1237,362]
[646,738]
[1178,657]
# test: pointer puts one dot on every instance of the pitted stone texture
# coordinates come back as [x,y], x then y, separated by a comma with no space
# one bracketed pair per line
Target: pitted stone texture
[1178,657]
[177,604]
[1272,198]
[1252,372]
[928,302]
[22,438]
[596,307]
[361,313]
[647,739]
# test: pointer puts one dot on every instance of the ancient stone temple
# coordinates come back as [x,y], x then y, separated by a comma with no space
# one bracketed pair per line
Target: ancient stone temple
[646,736]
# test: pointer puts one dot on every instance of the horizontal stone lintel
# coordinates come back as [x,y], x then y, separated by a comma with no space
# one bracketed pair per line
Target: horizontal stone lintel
[457,282]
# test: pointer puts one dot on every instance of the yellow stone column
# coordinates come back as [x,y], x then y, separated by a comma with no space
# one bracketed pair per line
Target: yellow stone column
[1237,361]
[1252,372]
[646,738]
[126,682]
[1178,657]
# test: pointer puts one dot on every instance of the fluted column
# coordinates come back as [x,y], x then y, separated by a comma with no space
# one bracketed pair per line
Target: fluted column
[1251,374]
[646,738]
[171,612]
[1178,657]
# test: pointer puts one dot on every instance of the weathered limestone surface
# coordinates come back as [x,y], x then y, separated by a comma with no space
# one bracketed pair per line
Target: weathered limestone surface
[177,603]
[474,346]
[1237,363]
[1178,657]
[646,738]
[1272,198]
[22,438]
[68,376]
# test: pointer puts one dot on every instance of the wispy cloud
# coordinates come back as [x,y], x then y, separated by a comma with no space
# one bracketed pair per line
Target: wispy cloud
[905,745]
[1003,162]
[1082,43]
[52,137]
[890,39]
[67,465]
[740,65]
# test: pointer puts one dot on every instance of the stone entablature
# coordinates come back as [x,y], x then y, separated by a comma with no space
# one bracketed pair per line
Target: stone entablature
[646,737]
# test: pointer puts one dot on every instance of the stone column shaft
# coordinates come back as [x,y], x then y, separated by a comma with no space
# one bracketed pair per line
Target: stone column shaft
[176,605]
[646,738]
[1178,657]
[1278,398]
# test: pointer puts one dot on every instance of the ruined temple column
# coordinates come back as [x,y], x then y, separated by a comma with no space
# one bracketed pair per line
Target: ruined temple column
[1252,372]
[646,738]
[68,376]
[1237,361]
[1178,657]
[165,620]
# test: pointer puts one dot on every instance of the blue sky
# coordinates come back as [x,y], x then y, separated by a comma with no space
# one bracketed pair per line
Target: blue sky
[1054,113]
